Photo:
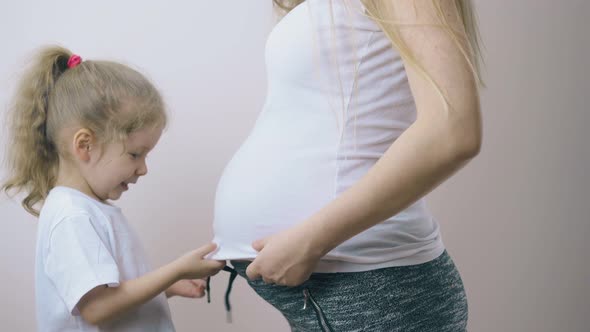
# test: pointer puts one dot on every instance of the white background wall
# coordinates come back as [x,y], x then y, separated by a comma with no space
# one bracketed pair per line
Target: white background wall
[516,220]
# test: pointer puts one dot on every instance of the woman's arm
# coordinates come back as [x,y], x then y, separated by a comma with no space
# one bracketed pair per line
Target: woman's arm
[438,144]
[434,147]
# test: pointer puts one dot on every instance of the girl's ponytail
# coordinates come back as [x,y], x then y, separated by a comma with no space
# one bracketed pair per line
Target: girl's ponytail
[32,157]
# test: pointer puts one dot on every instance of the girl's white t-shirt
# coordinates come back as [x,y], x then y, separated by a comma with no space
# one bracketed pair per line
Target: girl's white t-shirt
[81,244]
[338,97]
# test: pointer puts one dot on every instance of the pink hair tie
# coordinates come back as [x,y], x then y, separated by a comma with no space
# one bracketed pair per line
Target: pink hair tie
[74,60]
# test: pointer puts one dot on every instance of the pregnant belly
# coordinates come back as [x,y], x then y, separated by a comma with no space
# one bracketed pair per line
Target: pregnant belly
[262,192]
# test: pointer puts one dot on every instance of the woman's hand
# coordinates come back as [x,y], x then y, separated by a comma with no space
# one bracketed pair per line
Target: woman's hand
[187,288]
[287,258]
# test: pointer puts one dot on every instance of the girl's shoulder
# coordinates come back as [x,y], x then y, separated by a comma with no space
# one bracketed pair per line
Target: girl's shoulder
[64,203]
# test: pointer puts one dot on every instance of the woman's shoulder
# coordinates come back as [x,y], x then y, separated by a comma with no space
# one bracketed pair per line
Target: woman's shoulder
[329,14]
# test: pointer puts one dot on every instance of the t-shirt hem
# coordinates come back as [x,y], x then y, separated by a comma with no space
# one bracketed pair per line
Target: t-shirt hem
[335,266]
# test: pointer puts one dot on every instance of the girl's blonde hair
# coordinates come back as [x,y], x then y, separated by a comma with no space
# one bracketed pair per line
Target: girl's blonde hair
[108,98]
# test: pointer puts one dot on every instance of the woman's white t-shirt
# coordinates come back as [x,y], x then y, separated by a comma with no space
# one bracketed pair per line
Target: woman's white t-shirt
[338,97]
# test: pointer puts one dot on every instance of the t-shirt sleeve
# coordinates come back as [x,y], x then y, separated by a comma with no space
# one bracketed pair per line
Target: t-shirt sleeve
[78,260]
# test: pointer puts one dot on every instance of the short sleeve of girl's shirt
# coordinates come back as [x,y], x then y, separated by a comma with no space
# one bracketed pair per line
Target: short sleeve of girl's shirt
[78,260]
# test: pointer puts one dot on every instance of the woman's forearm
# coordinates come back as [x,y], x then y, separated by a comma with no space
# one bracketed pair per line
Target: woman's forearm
[420,159]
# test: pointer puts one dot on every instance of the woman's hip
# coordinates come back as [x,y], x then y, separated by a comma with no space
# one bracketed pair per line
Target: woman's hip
[424,297]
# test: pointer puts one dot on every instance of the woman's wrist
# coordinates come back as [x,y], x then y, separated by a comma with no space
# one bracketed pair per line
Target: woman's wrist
[316,242]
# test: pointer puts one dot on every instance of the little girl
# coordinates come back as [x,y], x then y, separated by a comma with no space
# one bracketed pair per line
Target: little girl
[81,132]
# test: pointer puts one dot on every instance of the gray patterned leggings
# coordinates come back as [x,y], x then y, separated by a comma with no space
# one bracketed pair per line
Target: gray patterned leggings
[425,297]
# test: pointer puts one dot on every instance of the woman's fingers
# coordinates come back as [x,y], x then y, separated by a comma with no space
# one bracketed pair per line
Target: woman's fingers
[252,271]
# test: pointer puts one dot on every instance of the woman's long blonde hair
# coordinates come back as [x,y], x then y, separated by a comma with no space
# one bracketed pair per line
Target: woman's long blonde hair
[108,98]
[382,10]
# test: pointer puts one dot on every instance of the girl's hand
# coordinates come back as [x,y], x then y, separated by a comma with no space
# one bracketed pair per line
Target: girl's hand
[193,265]
[287,258]
[187,288]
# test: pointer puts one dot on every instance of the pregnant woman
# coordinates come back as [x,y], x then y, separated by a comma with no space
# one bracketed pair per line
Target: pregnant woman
[371,104]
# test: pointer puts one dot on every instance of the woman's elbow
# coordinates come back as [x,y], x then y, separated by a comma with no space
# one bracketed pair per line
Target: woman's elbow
[466,137]
[468,148]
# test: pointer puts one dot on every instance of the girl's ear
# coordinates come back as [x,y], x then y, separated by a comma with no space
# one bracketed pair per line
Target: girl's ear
[83,142]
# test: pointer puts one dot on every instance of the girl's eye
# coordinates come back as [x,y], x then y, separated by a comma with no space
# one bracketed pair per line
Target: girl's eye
[134,155]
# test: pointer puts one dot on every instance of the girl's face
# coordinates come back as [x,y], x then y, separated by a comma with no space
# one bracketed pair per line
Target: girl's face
[114,167]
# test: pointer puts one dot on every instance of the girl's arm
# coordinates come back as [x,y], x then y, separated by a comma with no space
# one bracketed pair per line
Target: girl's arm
[187,288]
[103,304]
[434,147]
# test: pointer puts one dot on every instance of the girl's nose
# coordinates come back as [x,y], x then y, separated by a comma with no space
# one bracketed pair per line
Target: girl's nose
[142,170]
